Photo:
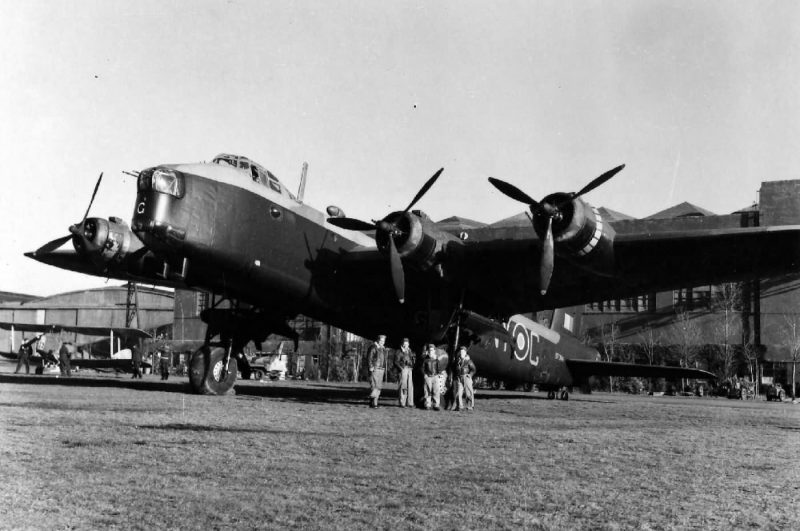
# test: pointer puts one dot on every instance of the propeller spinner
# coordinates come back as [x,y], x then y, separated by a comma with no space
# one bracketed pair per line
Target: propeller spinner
[553,212]
[81,233]
[391,230]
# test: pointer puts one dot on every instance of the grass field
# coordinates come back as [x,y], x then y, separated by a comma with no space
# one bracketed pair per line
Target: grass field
[106,452]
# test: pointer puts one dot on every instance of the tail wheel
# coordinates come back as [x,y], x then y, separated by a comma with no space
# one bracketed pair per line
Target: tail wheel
[206,375]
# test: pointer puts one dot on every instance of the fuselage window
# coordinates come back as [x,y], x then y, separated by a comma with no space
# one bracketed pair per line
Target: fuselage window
[275,185]
[255,173]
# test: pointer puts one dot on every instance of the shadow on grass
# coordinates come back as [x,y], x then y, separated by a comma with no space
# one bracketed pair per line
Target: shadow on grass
[80,381]
[199,428]
[300,391]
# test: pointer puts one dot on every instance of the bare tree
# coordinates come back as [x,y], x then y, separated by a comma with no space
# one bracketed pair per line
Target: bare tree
[650,341]
[727,304]
[609,338]
[687,339]
[791,335]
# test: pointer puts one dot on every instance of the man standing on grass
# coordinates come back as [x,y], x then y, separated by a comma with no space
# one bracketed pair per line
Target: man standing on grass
[465,368]
[430,370]
[136,361]
[64,356]
[404,361]
[376,356]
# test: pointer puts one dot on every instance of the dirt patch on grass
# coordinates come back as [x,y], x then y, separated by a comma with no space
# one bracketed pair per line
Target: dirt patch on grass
[314,456]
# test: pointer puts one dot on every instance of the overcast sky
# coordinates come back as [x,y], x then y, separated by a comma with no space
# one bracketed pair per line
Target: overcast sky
[699,99]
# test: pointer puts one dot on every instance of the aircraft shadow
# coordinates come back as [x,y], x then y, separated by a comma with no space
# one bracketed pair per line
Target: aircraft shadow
[309,392]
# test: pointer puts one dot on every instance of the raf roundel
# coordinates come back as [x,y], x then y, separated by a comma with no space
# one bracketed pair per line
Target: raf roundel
[521,341]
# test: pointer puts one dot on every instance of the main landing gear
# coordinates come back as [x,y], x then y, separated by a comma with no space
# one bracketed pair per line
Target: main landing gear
[213,368]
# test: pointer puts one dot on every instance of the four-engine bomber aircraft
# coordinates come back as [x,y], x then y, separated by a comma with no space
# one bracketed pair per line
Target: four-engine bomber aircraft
[231,228]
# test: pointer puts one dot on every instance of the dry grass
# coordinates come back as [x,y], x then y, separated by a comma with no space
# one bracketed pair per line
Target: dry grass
[119,454]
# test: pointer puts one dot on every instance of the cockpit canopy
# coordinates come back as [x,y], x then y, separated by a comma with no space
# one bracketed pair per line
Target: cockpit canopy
[254,170]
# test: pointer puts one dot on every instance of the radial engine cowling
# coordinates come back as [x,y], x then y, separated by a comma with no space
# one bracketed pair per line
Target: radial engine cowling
[105,241]
[418,241]
[580,233]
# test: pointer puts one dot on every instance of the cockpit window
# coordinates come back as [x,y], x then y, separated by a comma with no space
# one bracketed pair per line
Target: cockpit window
[255,172]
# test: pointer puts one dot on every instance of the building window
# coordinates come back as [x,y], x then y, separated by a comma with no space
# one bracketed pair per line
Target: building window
[202,301]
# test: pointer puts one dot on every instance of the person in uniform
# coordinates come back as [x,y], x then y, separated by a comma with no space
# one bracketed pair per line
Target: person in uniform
[430,371]
[376,356]
[136,361]
[164,364]
[404,362]
[24,357]
[465,369]
[64,356]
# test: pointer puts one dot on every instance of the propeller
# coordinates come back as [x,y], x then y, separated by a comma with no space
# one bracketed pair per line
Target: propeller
[391,230]
[77,230]
[551,212]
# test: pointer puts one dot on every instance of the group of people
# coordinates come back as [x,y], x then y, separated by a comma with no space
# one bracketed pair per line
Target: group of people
[26,352]
[437,379]
[163,364]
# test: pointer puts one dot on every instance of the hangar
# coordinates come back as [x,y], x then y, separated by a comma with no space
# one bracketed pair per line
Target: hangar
[107,306]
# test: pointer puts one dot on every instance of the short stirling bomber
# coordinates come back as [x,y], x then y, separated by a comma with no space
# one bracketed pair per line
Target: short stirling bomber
[231,228]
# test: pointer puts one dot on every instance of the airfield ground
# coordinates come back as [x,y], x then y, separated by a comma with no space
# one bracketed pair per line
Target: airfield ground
[104,451]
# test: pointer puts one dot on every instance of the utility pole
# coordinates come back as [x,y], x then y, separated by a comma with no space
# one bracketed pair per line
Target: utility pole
[132,306]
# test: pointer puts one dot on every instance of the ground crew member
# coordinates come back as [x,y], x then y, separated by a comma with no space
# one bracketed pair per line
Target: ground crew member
[376,356]
[404,361]
[24,358]
[430,370]
[64,356]
[136,361]
[465,369]
[164,364]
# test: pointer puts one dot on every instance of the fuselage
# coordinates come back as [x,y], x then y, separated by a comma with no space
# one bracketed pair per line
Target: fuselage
[222,231]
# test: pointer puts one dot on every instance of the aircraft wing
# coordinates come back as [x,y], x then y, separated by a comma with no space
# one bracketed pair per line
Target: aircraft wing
[132,333]
[501,266]
[585,368]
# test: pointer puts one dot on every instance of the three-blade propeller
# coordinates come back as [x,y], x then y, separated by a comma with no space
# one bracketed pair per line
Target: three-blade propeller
[77,230]
[552,212]
[390,229]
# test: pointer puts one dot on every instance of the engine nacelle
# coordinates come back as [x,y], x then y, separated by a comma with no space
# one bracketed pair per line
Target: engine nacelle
[580,233]
[418,241]
[106,241]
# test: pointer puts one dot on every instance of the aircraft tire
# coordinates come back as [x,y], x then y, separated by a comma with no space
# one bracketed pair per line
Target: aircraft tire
[528,387]
[205,372]
[565,395]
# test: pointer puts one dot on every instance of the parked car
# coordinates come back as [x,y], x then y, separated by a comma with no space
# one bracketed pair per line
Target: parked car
[776,393]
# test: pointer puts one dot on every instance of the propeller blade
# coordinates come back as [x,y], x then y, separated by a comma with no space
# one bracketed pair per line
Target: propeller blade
[513,192]
[548,258]
[351,224]
[599,180]
[49,247]
[96,186]
[424,189]
[396,267]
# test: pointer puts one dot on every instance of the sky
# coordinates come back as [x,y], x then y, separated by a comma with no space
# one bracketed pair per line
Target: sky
[698,99]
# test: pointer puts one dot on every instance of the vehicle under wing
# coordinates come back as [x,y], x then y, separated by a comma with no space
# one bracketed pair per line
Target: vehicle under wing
[584,368]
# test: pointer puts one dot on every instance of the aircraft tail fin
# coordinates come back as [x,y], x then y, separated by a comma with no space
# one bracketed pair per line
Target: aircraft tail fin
[567,321]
